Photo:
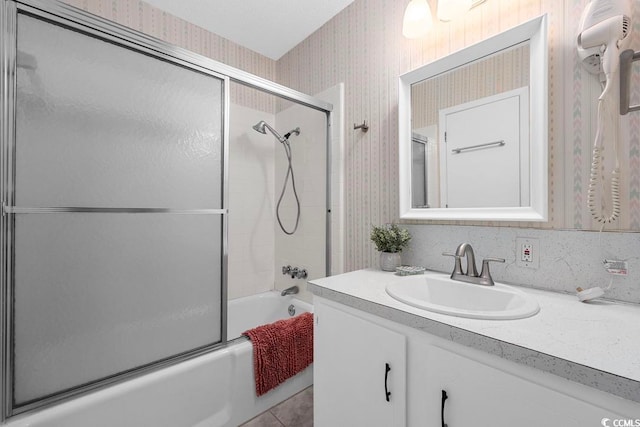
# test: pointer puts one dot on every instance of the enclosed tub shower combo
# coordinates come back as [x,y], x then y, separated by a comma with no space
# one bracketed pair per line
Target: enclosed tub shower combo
[214,389]
[114,229]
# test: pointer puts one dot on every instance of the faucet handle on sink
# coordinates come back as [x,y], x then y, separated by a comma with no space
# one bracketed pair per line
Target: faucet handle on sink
[485,275]
[457,269]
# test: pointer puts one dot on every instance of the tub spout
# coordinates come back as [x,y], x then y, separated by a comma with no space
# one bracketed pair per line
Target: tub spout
[290,291]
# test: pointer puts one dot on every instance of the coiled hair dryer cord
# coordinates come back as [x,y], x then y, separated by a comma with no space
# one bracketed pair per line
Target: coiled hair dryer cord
[594,179]
[596,176]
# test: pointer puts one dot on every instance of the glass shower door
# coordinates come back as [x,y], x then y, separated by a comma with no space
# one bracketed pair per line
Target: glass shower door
[114,209]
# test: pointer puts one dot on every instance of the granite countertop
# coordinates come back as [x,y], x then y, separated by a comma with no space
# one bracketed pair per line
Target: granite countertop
[595,344]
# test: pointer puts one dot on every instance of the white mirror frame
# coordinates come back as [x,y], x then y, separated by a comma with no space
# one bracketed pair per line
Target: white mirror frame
[534,31]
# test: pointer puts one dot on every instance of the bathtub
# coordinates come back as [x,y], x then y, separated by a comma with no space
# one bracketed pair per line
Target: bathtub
[215,389]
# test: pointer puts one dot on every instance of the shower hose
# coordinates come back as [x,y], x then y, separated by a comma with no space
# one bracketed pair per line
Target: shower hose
[287,150]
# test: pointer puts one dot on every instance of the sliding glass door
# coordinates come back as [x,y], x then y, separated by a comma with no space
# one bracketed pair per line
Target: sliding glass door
[113,207]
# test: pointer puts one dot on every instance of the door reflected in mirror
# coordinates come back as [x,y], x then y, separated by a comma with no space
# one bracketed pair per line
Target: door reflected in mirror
[470,134]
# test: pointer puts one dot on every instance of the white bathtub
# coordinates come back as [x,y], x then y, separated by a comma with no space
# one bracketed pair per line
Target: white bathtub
[249,312]
[215,389]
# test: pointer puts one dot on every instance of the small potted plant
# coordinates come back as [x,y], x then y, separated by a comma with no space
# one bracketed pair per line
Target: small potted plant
[390,240]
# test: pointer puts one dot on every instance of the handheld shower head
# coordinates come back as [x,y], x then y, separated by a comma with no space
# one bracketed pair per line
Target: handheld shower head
[260,127]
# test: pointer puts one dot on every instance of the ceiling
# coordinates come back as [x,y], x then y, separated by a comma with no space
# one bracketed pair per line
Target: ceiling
[269,27]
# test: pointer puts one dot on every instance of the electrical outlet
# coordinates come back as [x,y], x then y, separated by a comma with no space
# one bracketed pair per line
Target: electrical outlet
[616,267]
[527,252]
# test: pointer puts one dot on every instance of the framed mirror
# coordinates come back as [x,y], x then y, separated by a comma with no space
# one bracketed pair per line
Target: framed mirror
[473,131]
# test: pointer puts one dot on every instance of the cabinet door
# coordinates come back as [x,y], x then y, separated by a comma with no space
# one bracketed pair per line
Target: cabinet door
[482,395]
[351,379]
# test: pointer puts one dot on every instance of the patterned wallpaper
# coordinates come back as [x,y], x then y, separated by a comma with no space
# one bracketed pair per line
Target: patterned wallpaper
[363,46]
[150,20]
[493,75]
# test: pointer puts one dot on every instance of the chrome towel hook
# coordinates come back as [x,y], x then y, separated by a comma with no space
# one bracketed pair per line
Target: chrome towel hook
[363,126]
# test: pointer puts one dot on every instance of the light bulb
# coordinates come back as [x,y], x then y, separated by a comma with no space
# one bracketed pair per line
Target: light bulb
[448,10]
[417,19]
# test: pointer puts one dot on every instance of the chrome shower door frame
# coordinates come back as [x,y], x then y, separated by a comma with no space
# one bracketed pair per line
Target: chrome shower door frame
[90,25]
[68,16]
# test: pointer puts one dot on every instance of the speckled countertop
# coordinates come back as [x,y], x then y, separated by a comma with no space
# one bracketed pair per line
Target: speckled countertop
[596,344]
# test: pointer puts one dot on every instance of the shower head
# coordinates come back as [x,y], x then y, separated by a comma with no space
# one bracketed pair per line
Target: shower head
[260,127]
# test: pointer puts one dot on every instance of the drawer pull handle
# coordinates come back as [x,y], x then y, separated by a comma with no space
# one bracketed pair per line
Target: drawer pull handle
[444,397]
[387,393]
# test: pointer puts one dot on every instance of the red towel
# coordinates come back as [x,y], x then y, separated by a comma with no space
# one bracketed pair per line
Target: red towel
[281,350]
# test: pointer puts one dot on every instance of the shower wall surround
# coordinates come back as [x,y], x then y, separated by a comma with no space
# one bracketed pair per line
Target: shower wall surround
[306,247]
[251,195]
[363,47]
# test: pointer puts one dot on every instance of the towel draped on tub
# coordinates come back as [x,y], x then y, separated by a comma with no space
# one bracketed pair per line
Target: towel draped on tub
[281,350]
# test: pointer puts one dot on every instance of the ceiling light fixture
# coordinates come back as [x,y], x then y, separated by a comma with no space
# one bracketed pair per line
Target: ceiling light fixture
[418,20]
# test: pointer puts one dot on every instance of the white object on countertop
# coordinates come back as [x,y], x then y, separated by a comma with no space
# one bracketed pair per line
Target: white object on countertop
[589,294]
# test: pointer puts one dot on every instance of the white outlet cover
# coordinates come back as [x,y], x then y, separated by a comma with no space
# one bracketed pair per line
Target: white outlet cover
[526,252]
[534,244]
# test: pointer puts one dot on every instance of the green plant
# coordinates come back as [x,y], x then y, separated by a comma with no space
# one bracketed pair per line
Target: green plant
[390,238]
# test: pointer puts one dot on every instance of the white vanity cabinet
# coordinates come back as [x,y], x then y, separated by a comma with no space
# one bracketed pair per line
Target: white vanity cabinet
[352,347]
[485,394]
[359,372]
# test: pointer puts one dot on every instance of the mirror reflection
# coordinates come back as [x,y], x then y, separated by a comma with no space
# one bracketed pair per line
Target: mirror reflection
[473,131]
[470,134]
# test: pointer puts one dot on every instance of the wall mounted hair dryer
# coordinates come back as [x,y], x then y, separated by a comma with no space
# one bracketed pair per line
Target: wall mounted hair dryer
[605,30]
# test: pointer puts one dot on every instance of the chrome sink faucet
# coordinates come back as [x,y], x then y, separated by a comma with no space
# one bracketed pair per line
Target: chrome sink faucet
[465,250]
[471,274]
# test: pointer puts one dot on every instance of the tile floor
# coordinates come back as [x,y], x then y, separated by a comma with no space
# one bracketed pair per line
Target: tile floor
[297,411]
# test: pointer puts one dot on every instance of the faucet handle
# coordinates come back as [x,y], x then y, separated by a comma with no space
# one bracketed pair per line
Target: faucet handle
[485,274]
[457,268]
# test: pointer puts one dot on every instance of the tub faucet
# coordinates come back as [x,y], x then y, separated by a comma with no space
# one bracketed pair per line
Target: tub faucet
[471,274]
[290,291]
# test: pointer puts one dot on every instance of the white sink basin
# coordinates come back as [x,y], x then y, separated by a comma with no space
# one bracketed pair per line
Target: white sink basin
[440,294]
